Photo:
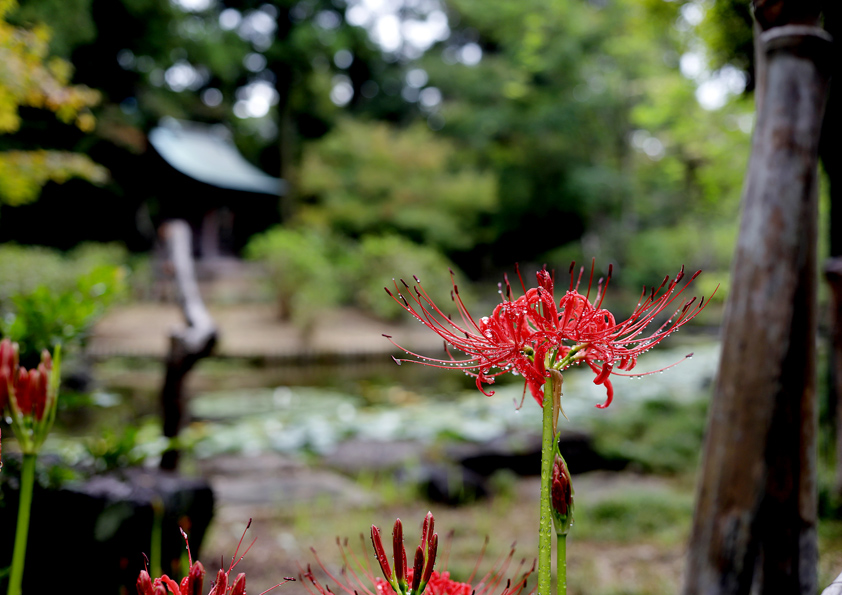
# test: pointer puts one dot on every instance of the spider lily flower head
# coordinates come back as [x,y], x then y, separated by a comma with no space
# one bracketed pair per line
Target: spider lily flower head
[404,580]
[192,583]
[561,495]
[30,396]
[532,333]
[357,576]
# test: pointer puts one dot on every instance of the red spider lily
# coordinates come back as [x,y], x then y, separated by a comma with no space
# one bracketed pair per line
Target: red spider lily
[193,582]
[534,332]
[404,579]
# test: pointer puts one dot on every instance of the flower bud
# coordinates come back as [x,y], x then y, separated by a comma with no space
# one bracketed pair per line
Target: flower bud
[8,367]
[380,554]
[144,584]
[561,492]
[221,585]
[193,582]
[31,395]
[239,587]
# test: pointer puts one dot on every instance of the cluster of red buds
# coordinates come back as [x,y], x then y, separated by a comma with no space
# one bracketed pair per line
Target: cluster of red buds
[30,396]
[404,580]
[194,581]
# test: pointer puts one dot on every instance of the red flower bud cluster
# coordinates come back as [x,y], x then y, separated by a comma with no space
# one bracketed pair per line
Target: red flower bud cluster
[408,581]
[29,395]
[536,331]
[194,581]
[420,578]
[190,584]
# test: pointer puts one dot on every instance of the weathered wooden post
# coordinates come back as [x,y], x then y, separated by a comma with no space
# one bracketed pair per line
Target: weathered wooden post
[187,345]
[754,528]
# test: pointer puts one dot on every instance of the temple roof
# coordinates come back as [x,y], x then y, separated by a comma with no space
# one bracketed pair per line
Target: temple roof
[207,153]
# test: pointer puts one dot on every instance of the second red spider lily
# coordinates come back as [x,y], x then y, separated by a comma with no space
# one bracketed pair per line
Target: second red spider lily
[193,583]
[530,334]
[404,579]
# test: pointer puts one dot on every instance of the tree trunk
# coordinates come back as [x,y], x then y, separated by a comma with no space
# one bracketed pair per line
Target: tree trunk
[187,345]
[754,528]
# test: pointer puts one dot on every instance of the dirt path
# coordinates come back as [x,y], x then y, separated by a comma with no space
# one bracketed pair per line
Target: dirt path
[253,330]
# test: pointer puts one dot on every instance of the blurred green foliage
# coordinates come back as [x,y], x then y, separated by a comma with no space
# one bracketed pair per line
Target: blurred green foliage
[48,298]
[375,178]
[572,131]
[310,271]
[659,436]
[29,78]
[115,449]
[383,259]
[660,514]
[301,271]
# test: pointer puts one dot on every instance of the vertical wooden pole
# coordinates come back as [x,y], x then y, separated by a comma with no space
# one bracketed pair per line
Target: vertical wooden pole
[754,528]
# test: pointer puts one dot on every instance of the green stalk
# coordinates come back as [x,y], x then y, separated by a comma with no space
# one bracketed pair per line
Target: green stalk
[157,533]
[27,482]
[545,529]
[561,565]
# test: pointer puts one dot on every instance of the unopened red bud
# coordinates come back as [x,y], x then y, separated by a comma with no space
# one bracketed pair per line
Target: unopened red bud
[39,381]
[432,549]
[22,396]
[8,365]
[193,582]
[221,585]
[399,554]
[561,492]
[47,359]
[417,570]
[380,553]
[239,587]
[427,529]
[144,584]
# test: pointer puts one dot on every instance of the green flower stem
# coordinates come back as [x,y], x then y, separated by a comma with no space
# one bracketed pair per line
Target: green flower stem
[27,482]
[545,530]
[561,565]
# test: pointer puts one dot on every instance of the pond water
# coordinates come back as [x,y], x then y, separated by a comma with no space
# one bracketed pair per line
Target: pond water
[239,407]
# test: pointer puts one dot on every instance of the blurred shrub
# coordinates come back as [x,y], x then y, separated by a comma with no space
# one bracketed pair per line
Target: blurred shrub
[110,450]
[373,178]
[381,260]
[23,268]
[48,298]
[652,253]
[663,436]
[634,512]
[311,271]
[300,269]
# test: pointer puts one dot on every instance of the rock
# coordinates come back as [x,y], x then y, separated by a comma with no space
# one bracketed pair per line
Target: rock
[102,527]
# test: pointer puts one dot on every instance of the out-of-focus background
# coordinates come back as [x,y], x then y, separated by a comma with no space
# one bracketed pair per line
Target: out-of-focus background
[317,150]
